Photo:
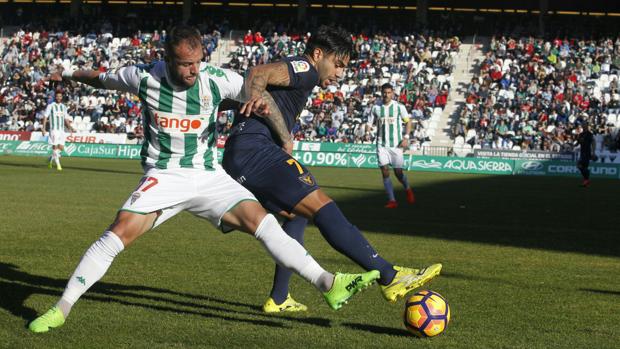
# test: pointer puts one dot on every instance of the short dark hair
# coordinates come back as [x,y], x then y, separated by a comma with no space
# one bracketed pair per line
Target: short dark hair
[386,86]
[182,33]
[331,39]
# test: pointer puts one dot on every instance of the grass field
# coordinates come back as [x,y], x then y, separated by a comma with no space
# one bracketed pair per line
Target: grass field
[529,262]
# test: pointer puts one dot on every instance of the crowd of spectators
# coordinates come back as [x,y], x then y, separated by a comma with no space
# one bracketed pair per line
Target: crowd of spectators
[532,93]
[29,56]
[418,66]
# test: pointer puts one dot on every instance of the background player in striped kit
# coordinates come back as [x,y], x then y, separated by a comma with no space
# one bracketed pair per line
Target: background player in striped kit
[180,99]
[57,115]
[390,116]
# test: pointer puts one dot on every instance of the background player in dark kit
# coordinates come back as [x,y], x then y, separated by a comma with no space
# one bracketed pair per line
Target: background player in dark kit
[586,153]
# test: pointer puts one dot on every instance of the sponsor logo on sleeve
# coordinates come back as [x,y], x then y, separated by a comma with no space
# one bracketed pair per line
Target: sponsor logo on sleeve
[300,66]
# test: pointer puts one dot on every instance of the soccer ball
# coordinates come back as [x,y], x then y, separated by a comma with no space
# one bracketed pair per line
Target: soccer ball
[426,314]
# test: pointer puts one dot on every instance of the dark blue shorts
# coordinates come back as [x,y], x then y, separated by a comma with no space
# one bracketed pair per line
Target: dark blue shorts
[277,180]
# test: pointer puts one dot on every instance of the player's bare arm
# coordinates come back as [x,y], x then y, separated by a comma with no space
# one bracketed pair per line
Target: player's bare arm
[276,122]
[405,142]
[88,77]
[257,80]
[262,104]
[44,125]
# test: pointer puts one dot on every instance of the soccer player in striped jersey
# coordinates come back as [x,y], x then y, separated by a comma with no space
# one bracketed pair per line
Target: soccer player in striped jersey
[390,116]
[258,155]
[180,98]
[57,115]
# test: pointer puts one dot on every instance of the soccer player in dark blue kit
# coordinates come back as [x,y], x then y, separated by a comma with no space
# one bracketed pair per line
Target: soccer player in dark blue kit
[586,153]
[257,155]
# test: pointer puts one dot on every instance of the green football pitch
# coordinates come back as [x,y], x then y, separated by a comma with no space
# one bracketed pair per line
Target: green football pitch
[529,262]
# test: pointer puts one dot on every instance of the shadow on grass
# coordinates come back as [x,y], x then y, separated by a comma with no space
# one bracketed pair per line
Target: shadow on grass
[549,213]
[17,286]
[378,329]
[614,293]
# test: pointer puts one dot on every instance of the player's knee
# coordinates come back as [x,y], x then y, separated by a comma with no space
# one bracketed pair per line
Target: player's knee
[246,216]
[129,226]
[312,203]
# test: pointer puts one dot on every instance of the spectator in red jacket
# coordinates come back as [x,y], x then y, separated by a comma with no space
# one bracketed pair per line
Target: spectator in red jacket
[258,38]
[442,99]
[248,39]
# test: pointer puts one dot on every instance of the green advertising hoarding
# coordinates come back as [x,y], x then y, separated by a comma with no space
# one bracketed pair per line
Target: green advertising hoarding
[336,147]
[563,168]
[460,165]
[364,159]
[331,159]
[85,150]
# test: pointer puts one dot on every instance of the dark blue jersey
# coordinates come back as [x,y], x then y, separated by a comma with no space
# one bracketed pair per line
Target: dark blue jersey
[252,155]
[585,140]
[291,100]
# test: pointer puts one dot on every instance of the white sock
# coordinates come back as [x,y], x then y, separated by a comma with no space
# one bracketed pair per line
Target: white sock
[57,157]
[91,268]
[287,252]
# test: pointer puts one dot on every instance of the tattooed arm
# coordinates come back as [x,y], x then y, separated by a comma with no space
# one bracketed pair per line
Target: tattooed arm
[260,102]
[275,74]
[276,122]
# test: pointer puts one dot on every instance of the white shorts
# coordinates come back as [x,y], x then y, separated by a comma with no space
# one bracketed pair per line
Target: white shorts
[56,138]
[390,156]
[206,194]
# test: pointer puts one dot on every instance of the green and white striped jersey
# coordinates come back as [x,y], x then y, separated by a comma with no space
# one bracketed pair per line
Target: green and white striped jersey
[56,114]
[179,123]
[390,119]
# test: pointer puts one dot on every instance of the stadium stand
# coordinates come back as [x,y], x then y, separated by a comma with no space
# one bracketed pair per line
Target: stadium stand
[27,57]
[531,93]
[418,66]
[501,113]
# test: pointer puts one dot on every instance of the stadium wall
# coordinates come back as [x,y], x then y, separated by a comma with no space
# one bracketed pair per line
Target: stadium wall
[311,154]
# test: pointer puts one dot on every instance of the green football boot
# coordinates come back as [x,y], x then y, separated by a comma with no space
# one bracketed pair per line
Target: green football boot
[346,286]
[51,319]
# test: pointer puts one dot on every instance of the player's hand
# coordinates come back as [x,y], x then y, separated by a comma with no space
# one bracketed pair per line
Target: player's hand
[288,147]
[404,144]
[255,105]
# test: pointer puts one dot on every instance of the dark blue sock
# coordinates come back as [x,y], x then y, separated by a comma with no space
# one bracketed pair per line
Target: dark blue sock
[348,240]
[295,229]
[403,180]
